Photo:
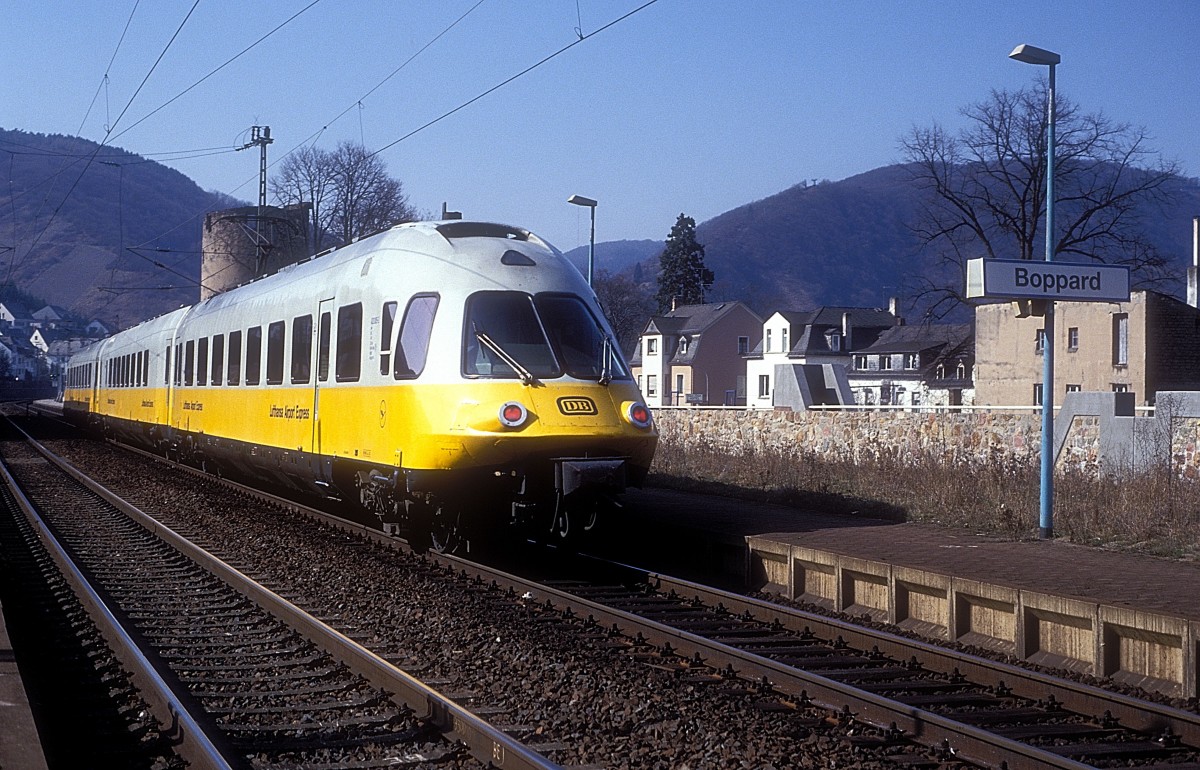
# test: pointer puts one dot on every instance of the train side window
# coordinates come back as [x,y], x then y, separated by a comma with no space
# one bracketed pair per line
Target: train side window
[189,362]
[167,365]
[234,371]
[276,333]
[323,348]
[253,354]
[301,349]
[145,368]
[349,343]
[218,358]
[202,361]
[178,364]
[412,348]
[385,337]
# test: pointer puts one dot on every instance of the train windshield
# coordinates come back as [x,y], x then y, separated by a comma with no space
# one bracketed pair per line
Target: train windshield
[513,335]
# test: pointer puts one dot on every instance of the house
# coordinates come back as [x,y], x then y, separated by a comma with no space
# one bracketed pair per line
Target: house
[824,337]
[97,328]
[60,351]
[19,359]
[1145,345]
[50,315]
[693,354]
[41,338]
[927,364]
[14,314]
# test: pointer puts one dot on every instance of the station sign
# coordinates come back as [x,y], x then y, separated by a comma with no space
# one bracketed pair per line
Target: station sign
[1032,279]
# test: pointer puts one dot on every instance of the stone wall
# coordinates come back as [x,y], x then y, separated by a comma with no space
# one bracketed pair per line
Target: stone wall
[1091,438]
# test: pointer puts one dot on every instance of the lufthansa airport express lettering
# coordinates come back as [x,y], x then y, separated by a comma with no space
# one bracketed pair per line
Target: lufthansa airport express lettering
[1056,283]
[575,405]
[291,412]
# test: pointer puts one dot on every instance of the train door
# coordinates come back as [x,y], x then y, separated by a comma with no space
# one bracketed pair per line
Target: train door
[324,329]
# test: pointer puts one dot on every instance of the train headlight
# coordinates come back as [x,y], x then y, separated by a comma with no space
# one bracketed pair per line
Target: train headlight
[513,414]
[638,414]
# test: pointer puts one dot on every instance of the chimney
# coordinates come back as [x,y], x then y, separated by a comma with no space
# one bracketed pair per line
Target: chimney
[1193,286]
[895,311]
[846,329]
[673,301]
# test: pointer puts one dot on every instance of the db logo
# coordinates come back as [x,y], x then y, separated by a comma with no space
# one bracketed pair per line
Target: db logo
[576,405]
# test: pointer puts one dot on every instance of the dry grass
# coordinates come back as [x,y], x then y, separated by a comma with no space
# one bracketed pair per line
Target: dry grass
[1152,512]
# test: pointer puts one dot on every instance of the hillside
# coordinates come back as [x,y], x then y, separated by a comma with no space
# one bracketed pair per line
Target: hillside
[125,246]
[94,237]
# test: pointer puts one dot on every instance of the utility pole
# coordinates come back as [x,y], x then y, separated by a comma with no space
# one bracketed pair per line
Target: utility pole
[260,136]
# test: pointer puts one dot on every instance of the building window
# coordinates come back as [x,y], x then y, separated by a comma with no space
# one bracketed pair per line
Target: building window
[764,385]
[860,363]
[652,385]
[961,371]
[743,345]
[1120,339]
[912,360]
[679,386]
[683,346]
[1120,387]
[1074,388]
[885,362]
[767,348]
[1037,394]
[940,372]
[835,343]
[783,340]
[1073,338]
[1039,342]
[651,346]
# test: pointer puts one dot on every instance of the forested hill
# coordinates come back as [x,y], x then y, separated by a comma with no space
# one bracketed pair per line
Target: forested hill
[125,244]
[98,230]
[852,243]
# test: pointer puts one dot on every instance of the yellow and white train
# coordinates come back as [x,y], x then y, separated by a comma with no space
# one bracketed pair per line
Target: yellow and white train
[448,375]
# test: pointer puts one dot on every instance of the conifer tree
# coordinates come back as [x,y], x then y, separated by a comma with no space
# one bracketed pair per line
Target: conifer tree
[683,277]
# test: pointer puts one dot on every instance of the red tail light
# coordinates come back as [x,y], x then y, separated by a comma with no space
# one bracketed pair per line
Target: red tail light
[513,414]
[638,414]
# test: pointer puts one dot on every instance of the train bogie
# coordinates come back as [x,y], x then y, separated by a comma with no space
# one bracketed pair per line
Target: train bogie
[438,373]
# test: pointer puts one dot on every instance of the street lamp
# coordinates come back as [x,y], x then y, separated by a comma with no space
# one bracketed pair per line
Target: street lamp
[579,200]
[1032,55]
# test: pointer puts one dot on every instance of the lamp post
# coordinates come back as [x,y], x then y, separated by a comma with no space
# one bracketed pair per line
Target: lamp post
[1032,55]
[579,200]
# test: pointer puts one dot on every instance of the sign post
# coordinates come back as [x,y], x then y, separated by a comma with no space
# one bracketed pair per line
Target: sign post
[1047,282]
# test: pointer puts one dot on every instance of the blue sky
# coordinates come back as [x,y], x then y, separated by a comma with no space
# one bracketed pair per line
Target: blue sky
[692,106]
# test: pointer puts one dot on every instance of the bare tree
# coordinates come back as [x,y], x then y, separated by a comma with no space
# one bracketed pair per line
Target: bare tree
[349,189]
[627,306]
[987,188]
[365,199]
[304,177]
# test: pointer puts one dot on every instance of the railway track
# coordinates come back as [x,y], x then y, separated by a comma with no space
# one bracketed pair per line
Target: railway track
[892,697]
[241,677]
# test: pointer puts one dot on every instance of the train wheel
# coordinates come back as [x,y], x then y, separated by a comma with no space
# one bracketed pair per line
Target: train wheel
[446,532]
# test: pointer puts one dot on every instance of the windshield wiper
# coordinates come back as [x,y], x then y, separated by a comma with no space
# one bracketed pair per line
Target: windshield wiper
[606,354]
[489,343]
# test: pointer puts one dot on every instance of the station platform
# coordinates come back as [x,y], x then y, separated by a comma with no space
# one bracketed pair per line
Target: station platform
[20,746]
[1130,618]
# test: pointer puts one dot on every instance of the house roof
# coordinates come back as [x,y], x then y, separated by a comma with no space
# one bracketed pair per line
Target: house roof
[915,339]
[690,319]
